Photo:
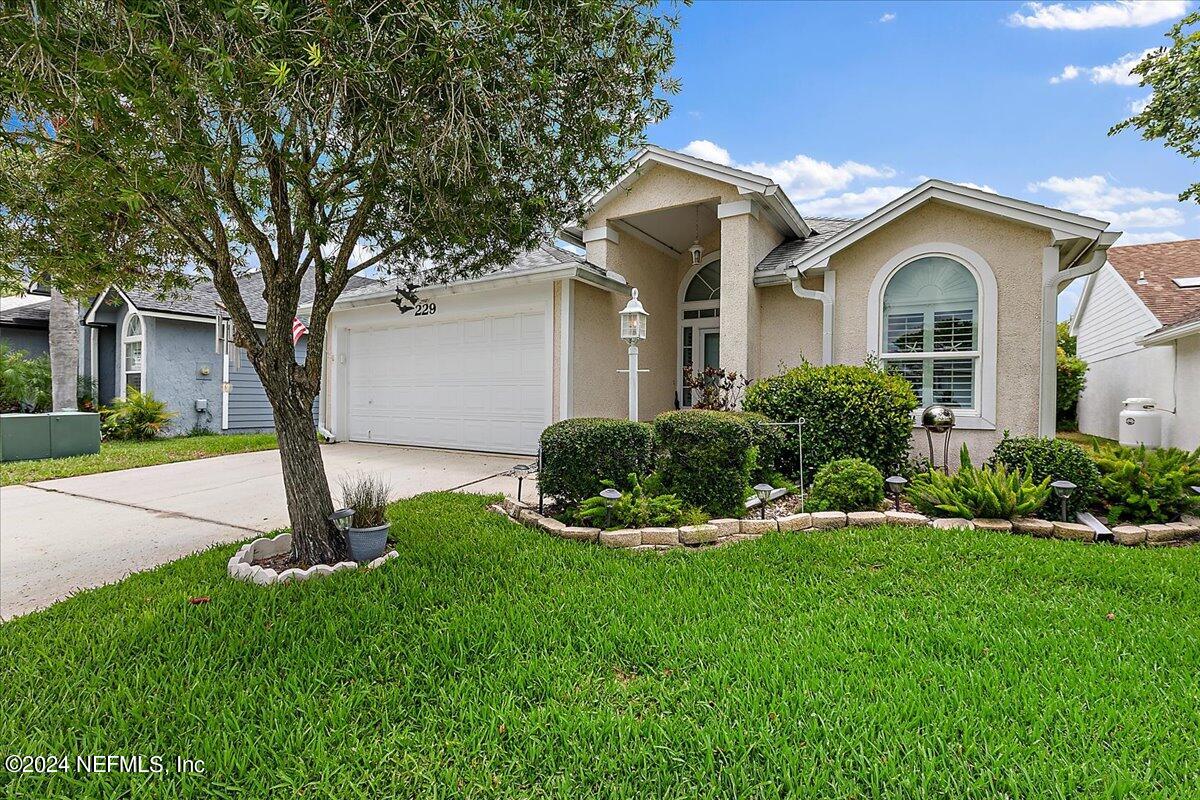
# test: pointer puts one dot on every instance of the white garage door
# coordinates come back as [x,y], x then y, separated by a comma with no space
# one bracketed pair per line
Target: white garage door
[474,384]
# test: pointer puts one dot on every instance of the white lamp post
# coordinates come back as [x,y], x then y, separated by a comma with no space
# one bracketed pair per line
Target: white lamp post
[633,330]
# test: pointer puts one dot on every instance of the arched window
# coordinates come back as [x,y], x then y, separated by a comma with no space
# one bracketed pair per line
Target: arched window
[133,364]
[705,284]
[700,317]
[931,330]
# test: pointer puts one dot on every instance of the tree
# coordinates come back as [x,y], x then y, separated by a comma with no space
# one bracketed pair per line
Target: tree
[1072,377]
[290,136]
[1172,112]
[64,352]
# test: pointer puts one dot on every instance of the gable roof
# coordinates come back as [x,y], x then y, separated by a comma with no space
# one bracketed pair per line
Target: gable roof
[823,229]
[1161,262]
[780,209]
[202,299]
[1064,224]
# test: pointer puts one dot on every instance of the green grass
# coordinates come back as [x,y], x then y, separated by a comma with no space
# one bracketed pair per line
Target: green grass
[491,661]
[124,455]
[1084,440]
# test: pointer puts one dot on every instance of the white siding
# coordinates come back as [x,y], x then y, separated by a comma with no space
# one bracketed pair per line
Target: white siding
[1112,318]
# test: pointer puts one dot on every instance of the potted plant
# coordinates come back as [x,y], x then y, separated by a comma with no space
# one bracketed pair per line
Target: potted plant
[368,496]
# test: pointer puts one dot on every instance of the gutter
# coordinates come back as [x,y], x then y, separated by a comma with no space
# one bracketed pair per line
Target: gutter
[827,296]
[1170,334]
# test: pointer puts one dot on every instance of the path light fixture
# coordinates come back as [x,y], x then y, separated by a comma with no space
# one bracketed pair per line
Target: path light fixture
[521,472]
[1063,491]
[938,419]
[341,519]
[895,487]
[611,496]
[1196,489]
[633,330]
[763,491]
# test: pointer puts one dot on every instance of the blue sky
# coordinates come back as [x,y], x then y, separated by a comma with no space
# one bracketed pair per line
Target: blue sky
[848,104]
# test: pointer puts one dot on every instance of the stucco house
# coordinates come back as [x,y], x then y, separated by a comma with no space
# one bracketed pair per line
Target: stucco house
[954,288]
[1138,327]
[169,346]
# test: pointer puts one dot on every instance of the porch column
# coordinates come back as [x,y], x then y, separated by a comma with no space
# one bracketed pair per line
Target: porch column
[739,306]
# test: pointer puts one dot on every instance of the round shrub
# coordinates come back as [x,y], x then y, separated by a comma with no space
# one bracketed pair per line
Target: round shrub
[579,455]
[847,484]
[1041,458]
[705,459]
[849,412]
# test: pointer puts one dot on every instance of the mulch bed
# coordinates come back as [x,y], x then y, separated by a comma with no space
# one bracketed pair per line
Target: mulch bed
[284,561]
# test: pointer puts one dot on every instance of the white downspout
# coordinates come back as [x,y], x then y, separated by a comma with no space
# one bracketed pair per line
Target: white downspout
[827,296]
[1052,280]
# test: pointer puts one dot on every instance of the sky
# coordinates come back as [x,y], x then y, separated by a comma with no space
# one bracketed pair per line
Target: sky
[847,105]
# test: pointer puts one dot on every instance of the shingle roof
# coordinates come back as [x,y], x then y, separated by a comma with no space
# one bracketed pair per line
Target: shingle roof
[824,228]
[34,315]
[202,299]
[1161,262]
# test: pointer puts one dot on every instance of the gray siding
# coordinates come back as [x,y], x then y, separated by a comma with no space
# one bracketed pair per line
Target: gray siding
[178,354]
[33,341]
[249,409]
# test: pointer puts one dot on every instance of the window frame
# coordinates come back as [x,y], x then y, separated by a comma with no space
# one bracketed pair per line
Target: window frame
[982,414]
[126,340]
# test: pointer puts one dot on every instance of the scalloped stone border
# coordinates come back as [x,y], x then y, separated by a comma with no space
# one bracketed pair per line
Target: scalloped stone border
[719,532]
[241,568]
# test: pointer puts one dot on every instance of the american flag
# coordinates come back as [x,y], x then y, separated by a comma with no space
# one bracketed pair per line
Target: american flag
[298,330]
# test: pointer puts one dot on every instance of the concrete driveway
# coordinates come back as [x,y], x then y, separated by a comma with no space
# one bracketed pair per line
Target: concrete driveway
[73,533]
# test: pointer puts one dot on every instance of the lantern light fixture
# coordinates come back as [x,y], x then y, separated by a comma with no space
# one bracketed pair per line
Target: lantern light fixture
[895,486]
[1063,491]
[341,519]
[611,496]
[763,492]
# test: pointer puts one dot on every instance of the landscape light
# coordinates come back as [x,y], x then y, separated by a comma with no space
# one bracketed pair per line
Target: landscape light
[763,490]
[1063,491]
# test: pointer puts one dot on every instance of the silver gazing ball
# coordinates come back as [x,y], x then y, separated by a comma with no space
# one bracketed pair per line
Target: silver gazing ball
[937,419]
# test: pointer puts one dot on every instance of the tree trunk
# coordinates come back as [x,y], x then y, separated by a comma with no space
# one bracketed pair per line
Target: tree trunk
[304,481]
[64,352]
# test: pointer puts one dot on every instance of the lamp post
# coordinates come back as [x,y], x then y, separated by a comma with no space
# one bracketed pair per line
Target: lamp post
[1063,491]
[611,496]
[895,486]
[633,330]
[763,491]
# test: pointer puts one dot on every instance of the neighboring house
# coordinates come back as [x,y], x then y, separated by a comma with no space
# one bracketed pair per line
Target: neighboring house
[169,346]
[953,287]
[1138,328]
[25,322]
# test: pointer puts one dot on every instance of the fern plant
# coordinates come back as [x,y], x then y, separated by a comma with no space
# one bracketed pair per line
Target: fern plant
[978,493]
[138,416]
[1141,485]
[636,508]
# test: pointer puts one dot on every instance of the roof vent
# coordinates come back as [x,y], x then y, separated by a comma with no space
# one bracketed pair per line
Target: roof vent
[1187,283]
[1142,278]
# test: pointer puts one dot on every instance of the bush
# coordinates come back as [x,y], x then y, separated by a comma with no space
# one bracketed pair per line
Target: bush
[139,416]
[849,412]
[706,458]
[24,381]
[847,484]
[1055,459]
[580,455]
[770,444]
[1141,485]
[978,493]
[637,508]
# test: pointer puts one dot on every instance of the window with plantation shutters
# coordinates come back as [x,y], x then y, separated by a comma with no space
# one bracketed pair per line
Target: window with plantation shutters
[931,330]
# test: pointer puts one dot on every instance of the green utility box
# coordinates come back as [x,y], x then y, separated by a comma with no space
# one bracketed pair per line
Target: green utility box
[74,433]
[62,433]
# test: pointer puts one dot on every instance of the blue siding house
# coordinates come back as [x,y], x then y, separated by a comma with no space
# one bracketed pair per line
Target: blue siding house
[170,346]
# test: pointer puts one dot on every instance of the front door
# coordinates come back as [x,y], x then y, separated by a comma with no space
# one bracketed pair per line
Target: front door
[701,350]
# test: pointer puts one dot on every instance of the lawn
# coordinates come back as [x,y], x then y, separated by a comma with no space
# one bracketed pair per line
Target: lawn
[124,455]
[491,661]
[1086,441]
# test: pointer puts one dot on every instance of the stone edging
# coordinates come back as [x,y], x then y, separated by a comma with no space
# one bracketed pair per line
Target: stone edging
[241,569]
[719,532]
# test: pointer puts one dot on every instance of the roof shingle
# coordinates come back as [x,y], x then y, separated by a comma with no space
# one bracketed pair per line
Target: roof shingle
[824,228]
[1161,262]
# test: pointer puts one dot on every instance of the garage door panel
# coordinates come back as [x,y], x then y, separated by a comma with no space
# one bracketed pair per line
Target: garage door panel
[472,384]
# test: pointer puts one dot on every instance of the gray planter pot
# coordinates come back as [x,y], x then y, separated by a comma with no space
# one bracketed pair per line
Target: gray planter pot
[366,544]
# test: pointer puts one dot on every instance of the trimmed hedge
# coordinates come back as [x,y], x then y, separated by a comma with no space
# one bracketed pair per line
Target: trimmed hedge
[579,455]
[769,442]
[847,484]
[705,458]
[849,412]
[1055,459]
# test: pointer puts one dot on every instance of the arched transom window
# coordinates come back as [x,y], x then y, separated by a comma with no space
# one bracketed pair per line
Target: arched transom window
[133,341]
[930,330]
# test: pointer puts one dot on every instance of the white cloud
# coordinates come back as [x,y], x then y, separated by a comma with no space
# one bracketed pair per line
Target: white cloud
[1117,73]
[1070,72]
[1149,237]
[1139,105]
[1122,206]
[852,204]
[888,17]
[1117,14]
[983,187]
[703,148]
[802,177]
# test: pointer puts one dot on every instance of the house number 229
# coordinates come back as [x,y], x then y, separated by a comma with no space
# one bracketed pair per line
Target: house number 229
[425,308]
